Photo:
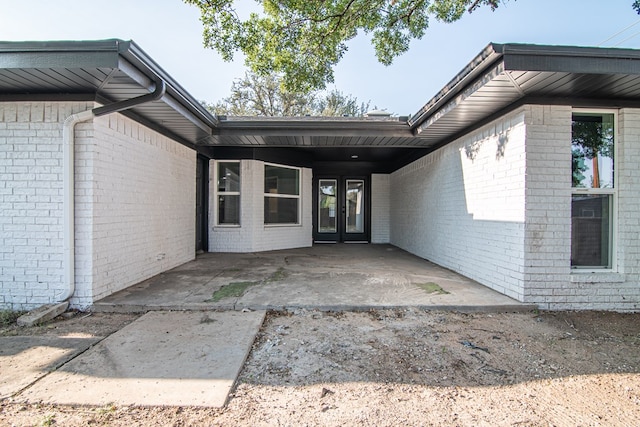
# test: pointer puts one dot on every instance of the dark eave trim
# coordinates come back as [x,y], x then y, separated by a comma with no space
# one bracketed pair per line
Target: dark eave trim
[528,57]
[484,60]
[47,97]
[125,56]
[314,128]
[570,59]
[59,54]
[136,56]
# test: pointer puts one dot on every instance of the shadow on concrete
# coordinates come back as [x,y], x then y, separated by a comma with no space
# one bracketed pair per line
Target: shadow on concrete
[25,359]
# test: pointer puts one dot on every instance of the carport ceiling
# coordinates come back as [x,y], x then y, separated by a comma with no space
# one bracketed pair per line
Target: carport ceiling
[501,78]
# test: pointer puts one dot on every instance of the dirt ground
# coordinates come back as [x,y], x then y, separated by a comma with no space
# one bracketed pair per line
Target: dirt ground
[390,368]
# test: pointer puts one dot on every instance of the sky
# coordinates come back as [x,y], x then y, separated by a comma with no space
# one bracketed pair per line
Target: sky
[171,33]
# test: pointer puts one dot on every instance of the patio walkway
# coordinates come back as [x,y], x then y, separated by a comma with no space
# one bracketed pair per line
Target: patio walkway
[334,277]
[197,355]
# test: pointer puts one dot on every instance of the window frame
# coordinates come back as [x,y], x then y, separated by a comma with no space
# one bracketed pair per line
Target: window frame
[613,192]
[284,196]
[217,193]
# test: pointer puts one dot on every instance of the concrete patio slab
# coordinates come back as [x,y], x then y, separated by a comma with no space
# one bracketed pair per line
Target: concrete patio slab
[25,359]
[163,358]
[323,277]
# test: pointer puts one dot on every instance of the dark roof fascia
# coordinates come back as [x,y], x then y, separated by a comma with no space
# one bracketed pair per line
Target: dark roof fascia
[311,127]
[528,57]
[569,59]
[476,67]
[581,102]
[126,56]
[44,97]
[63,54]
[130,51]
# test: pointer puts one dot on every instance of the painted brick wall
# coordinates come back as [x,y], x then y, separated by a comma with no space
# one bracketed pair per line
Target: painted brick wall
[138,201]
[551,283]
[135,195]
[463,206]
[626,295]
[253,234]
[548,217]
[31,250]
[380,208]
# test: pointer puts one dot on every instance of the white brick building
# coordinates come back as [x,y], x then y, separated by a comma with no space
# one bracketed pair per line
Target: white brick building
[521,174]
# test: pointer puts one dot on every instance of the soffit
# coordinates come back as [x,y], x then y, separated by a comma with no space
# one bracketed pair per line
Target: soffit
[503,77]
[500,78]
[106,71]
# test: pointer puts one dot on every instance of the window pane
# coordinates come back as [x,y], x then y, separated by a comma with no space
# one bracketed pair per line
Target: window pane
[280,210]
[228,209]
[279,180]
[355,206]
[228,176]
[592,150]
[327,206]
[591,230]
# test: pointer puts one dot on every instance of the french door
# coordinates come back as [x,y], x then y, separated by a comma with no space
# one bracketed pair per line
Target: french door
[341,211]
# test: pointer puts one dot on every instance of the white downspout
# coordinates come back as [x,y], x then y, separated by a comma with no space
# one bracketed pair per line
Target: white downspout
[68,172]
[68,203]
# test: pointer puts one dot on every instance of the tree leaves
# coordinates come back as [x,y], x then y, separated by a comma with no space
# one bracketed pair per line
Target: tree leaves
[304,39]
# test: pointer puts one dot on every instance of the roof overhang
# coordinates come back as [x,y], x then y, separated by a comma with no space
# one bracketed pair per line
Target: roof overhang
[107,71]
[501,78]
[505,76]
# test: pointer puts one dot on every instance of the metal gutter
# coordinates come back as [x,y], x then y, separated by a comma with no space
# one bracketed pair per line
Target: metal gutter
[158,93]
[68,175]
[177,97]
[68,202]
[126,56]
[159,87]
[483,61]
[529,57]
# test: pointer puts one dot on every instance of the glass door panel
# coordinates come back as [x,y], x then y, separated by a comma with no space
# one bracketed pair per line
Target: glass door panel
[354,203]
[327,206]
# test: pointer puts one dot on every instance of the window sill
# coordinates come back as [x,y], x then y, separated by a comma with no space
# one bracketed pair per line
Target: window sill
[596,277]
[226,227]
[281,225]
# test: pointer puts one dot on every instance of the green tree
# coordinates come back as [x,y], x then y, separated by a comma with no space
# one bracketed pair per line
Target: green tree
[255,95]
[305,39]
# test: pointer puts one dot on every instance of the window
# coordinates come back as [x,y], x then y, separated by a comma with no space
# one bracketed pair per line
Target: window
[228,193]
[281,195]
[593,190]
